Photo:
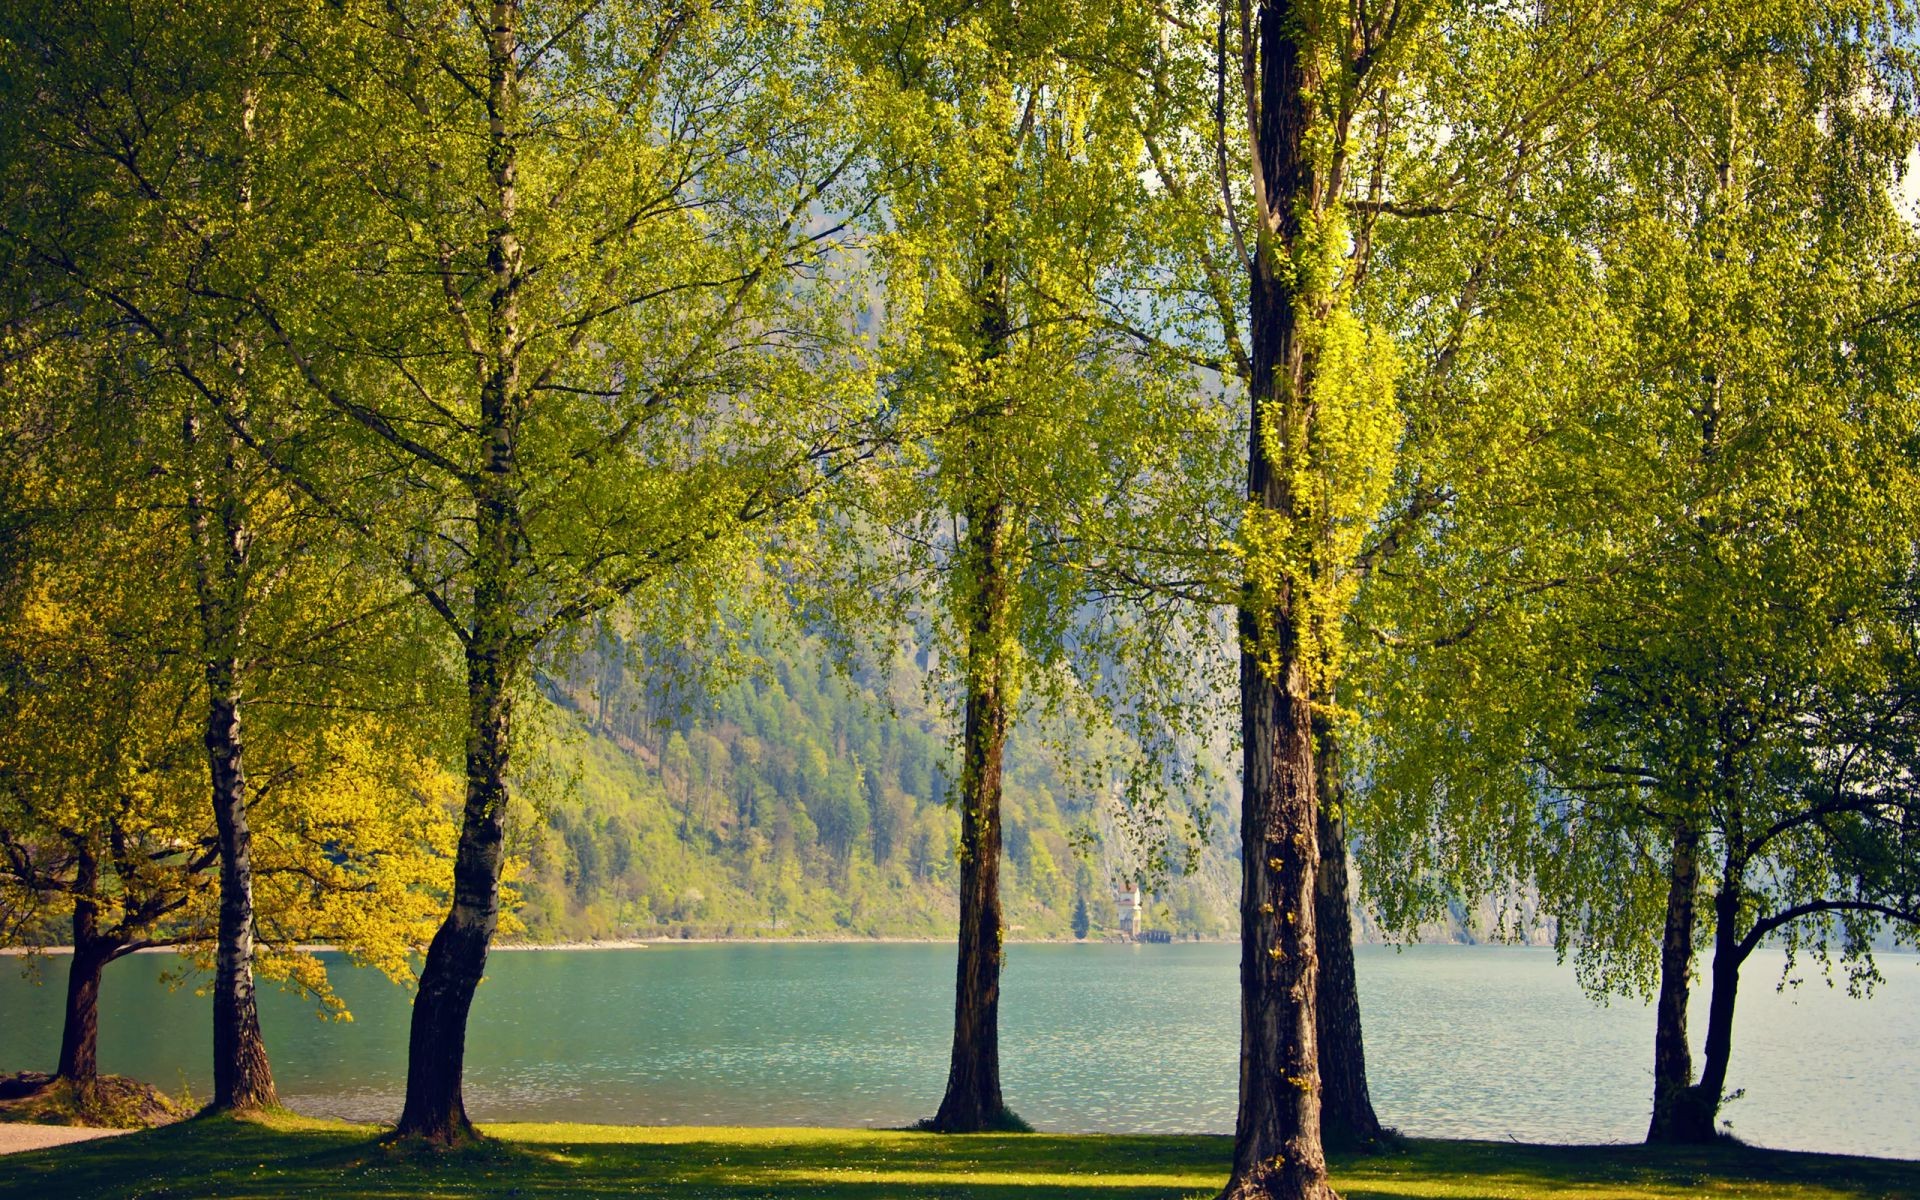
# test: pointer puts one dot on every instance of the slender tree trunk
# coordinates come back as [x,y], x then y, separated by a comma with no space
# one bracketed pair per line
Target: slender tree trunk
[1277,1150]
[1347,1118]
[1701,1108]
[973,1102]
[1672,1055]
[80,1033]
[242,1076]
[435,1109]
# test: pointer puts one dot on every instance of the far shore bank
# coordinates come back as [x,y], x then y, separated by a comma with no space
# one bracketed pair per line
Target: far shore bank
[655,943]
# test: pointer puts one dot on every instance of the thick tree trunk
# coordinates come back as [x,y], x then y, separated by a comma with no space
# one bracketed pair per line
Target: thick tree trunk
[973,1101]
[435,1108]
[1672,1055]
[1347,1119]
[80,1033]
[242,1077]
[1277,1150]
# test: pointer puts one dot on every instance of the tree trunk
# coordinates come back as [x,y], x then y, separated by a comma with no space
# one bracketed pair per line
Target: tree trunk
[1277,1150]
[435,1109]
[1347,1119]
[242,1077]
[80,1033]
[1672,1056]
[1700,1109]
[973,1101]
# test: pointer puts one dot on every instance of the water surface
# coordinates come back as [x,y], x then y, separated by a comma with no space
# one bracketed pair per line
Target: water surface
[1486,1042]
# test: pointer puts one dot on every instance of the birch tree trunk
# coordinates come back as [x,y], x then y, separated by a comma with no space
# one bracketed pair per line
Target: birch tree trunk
[242,1075]
[1672,1056]
[496,656]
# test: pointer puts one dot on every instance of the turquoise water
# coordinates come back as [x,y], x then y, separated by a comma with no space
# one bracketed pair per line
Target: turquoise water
[1488,1042]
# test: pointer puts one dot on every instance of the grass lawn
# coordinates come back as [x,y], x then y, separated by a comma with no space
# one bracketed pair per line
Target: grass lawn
[292,1157]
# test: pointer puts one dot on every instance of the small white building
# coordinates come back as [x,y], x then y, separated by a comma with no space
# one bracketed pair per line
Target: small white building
[1131,910]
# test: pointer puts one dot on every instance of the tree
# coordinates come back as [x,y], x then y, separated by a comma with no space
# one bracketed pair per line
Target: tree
[617,378]
[1322,434]
[96,790]
[1082,923]
[1649,617]
[1036,431]
[103,819]
[270,598]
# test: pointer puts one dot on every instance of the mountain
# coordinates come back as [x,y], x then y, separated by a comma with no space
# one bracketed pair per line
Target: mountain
[802,799]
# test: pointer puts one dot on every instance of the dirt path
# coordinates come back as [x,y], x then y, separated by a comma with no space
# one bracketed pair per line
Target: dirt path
[16,1136]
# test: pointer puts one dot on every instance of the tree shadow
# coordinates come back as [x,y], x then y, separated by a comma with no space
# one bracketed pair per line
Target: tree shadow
[230,1158]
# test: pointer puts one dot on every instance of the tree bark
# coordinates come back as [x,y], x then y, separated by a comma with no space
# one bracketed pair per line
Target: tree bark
[1700,1110]
[435,1108]
[1347,1119]
[80,1032]
[973,1102]
[242,1076]
[1277,1149]
[1672,1055]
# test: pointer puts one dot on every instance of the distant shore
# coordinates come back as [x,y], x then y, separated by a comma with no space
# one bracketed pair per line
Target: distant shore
[804,939]
[657,942]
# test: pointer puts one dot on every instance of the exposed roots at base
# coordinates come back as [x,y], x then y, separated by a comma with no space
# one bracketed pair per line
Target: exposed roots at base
[106,1102]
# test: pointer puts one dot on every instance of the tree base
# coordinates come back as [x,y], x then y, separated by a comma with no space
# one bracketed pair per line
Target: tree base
[1274,1181]
[1003,1121]
[255,1108]
[455,1135]
[1689,1122]
[1380,1140]
[106,1102]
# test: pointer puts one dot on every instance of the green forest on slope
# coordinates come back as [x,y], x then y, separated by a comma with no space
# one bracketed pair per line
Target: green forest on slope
[805,800]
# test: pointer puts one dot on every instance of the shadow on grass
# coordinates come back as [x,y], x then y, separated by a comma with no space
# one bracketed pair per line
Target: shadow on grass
[287,1158]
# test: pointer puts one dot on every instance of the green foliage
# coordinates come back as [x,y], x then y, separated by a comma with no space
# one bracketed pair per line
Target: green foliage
[1676,529]
[1054,445]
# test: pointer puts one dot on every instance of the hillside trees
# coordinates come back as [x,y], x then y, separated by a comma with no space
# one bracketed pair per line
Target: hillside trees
[1632,693]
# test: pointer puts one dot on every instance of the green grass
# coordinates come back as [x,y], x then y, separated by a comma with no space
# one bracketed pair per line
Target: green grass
[293,1158]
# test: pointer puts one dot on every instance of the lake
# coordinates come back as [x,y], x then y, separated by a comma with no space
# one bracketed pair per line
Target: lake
[1484,1042]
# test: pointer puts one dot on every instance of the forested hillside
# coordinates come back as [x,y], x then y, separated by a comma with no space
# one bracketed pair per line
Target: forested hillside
[804,800]
[807,800]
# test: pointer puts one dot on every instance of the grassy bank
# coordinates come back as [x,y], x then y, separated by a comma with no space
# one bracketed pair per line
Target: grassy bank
[297,1158]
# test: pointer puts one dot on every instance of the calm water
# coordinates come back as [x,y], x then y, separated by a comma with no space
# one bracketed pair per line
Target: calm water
[1486,1042]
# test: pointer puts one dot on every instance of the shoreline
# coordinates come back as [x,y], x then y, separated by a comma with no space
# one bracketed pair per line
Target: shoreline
[657,943]
[654,943]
